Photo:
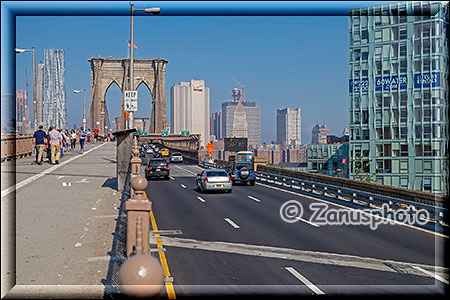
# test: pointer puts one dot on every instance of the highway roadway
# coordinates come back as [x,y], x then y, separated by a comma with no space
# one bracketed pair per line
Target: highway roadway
[227,244]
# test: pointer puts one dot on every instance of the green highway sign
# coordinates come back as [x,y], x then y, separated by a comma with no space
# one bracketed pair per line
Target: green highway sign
[185,133]
[165,133]
[144,133]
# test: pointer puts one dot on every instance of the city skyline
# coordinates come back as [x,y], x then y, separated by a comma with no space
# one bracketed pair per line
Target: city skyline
[232,47]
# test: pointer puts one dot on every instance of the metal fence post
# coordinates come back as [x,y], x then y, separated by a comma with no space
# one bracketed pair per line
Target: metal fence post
[141,275]
[138,206]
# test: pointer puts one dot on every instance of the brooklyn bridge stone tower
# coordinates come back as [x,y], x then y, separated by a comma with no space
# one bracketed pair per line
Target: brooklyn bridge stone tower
[106,71]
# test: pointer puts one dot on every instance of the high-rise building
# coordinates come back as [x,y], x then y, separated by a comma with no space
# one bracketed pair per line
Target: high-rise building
[253,115]
[240,125]
[319,134]
[23,124]
[189,109]
[8,118]
[289,126]
[216,125]
[54,104]
[398,88]
[40,92]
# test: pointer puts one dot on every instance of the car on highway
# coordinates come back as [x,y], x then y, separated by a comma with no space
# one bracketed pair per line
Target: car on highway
[213,180]
[157,167]
[176,157]
[243,168]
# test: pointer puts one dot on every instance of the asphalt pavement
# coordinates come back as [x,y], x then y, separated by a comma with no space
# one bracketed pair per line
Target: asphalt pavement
[238,244]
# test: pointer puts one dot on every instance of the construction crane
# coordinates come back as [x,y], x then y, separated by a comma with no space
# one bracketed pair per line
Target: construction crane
[243,88]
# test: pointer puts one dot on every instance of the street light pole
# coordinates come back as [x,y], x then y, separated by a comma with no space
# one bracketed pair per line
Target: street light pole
[131,83]
[155,11]
[32,50]
[84,106]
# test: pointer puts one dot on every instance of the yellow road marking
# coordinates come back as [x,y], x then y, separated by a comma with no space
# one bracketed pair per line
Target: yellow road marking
[162,257]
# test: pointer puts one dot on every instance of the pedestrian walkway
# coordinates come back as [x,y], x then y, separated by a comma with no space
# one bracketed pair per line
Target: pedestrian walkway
[65,219]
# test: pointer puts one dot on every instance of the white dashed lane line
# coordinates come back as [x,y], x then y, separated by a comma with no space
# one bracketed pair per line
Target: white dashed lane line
[201,199]
[253,198]
[232,223]
[183,186]
[305,281]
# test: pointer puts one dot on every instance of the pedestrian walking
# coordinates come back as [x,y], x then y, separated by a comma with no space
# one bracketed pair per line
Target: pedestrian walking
[89,135]
[67,134]
[82,135]
[73,139]
[39,142]
[55,144]
[49,153]
[96,131]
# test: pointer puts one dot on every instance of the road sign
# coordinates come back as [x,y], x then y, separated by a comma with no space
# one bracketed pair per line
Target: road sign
[235,144]
[185,133]
[210,146]
[131,100]
[164,133]
[144,133]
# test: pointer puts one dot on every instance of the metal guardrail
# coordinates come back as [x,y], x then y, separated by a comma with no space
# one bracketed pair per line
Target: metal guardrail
[351,197]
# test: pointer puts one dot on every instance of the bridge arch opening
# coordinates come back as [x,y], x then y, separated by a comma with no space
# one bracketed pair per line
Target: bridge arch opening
[113,103]
[143,116]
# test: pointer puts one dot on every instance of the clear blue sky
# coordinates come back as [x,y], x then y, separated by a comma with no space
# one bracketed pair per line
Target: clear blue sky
[285,61]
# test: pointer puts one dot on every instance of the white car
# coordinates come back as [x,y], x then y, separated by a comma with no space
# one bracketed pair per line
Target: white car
[214,179]
[176,157]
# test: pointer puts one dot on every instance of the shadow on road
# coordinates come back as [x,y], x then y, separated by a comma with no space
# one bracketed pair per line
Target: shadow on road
[111,183]
[118,249]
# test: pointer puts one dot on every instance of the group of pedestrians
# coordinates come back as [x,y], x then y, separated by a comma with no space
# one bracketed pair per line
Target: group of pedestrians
[56,141]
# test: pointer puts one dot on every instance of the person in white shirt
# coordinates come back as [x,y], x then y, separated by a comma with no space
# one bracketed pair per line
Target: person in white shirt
[55,144]
[73,139]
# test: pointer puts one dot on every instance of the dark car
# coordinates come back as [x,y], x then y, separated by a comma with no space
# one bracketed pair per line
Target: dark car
[157,167]
[243,172]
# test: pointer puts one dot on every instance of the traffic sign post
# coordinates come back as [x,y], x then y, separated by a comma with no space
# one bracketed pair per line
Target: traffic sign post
[131,101]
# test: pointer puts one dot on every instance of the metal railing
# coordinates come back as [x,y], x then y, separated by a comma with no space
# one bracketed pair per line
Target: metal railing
[16,146]
[141,275]
[351,197]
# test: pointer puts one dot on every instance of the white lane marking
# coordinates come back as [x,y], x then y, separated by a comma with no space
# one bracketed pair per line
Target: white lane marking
[307,222]
[346,207]
[253,198]
[431,274]
[232,223]
[305,281]
[171,178]
[187,171]
[37,176]
[201,199]
[183,186]
[77,244]
[83,181]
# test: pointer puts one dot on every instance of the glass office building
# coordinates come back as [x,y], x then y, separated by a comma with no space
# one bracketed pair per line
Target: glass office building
[398,90]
